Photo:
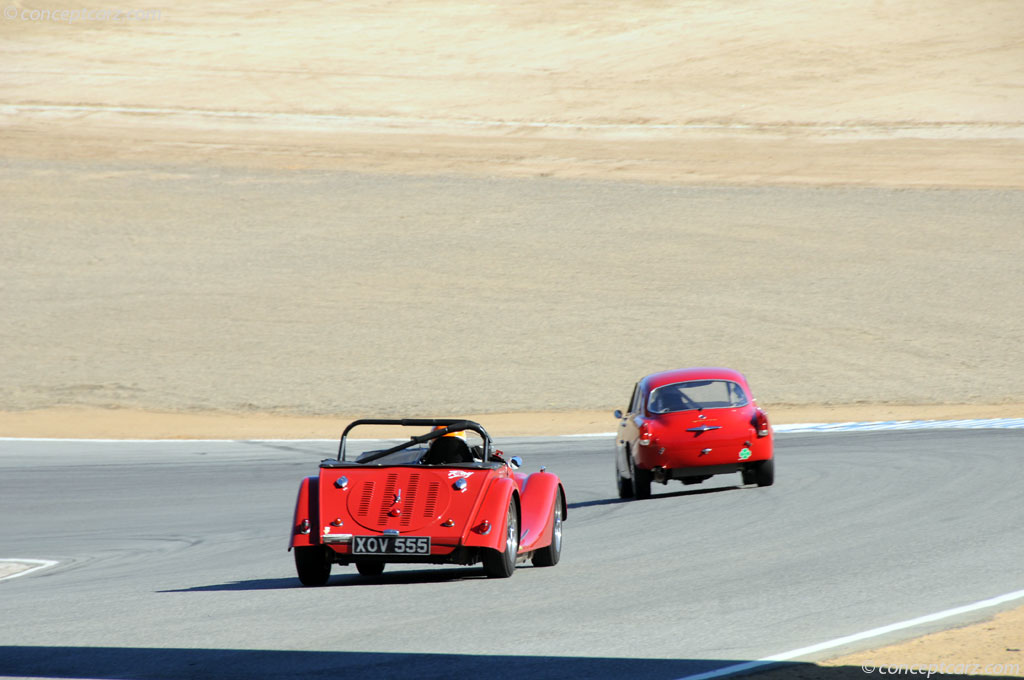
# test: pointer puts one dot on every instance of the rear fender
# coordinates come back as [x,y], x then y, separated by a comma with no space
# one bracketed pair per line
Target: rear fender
[306,509]
[761,449]
[492,510]
[540,493]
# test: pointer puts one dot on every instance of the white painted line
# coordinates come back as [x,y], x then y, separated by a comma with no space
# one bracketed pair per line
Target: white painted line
[40,564]
[856,637]
[866,426]
[86,440]
[893,425]
[184,441]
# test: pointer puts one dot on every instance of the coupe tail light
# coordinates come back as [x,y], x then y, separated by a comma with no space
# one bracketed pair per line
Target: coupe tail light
[761,423]
[646,439]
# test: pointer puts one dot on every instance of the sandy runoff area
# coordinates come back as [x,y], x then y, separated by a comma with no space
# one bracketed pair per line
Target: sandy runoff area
[259,218]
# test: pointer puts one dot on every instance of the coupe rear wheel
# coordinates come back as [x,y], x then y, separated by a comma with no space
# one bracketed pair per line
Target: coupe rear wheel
[501,563]
[549,555]
[312,564]
[641,480]
[766,472]
[370,568]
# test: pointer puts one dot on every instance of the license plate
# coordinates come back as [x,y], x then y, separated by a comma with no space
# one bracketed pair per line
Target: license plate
[391,545]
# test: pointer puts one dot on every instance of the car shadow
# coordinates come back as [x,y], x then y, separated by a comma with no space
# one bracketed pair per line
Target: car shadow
[157,663]
[655,496]
[599,501]
[696,492]
[350,578]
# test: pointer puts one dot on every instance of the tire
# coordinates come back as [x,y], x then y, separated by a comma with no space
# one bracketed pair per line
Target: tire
[370,568]
[641,481]
[501,563]
[549,555]
[625,485]
[749,475]
[313,565]
[766,472]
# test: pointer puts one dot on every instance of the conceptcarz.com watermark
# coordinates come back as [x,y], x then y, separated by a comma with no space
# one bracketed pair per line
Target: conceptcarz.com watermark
[930,669]
[70,16]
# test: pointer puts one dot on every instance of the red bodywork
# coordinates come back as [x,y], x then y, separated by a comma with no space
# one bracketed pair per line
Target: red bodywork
[462,507]
[696,439]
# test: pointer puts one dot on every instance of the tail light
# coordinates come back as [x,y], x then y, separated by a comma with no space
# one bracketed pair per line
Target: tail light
[646,438]
[761,423]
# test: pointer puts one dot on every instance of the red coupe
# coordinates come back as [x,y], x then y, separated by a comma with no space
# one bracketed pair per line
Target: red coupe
[690,424]
[434,499]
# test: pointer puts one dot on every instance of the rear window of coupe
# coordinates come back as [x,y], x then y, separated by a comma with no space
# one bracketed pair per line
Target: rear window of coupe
[696,394]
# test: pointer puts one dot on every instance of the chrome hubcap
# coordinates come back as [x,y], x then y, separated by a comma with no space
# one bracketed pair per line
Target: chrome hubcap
[557,540]
[512,539]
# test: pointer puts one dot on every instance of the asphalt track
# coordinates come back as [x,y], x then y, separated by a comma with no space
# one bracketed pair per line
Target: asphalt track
[172,563]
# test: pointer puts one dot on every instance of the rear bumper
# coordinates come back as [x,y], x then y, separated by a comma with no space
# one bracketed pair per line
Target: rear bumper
[341,544]
[664,474]
[439,554]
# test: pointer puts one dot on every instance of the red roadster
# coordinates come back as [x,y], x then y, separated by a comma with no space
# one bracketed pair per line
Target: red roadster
[432,499]
[690,424]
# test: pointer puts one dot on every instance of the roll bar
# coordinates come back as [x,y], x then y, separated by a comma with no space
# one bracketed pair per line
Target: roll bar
[447,425]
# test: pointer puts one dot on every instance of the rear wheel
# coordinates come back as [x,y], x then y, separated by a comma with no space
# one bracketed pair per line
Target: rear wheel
[549,555]
[625,484]
[766,472]
[313,565]
[501,563]
[641,480]
[370,568]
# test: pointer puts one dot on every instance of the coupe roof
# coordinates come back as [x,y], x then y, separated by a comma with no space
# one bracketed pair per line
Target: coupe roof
[697,373]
